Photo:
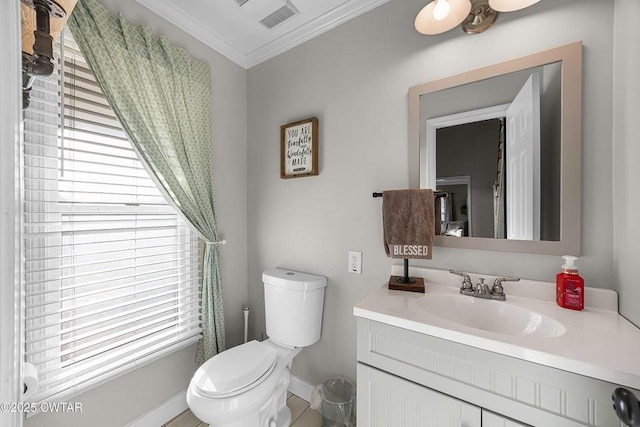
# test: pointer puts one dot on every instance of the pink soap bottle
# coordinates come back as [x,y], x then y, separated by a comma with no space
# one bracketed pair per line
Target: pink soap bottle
[570,286]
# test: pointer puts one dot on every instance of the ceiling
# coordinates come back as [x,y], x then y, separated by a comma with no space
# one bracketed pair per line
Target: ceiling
[237,33]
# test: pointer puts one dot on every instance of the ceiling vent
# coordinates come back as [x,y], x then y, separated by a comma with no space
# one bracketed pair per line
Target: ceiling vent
[269,13]
[279,16]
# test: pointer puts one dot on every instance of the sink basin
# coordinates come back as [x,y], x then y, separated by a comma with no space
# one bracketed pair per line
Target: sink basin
[492,316]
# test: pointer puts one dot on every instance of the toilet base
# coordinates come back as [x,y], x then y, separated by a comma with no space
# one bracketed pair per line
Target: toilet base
[264,417]
[284,417]
[264,405]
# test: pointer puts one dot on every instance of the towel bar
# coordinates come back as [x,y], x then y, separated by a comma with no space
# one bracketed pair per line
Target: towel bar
[435,194]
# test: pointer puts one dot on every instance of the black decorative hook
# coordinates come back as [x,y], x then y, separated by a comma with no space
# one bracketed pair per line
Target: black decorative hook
[627,406]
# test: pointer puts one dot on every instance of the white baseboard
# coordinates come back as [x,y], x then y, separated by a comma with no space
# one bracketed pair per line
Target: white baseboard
[164,413]
[178,404]
[301,388]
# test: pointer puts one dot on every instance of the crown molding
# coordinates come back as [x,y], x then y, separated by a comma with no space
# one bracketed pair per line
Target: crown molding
[322,24]
[295,37]
[167,10]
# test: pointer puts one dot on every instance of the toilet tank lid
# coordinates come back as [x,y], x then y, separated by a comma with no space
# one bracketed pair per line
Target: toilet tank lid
[294,280]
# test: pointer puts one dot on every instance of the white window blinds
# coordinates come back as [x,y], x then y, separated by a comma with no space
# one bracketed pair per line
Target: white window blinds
[111,272]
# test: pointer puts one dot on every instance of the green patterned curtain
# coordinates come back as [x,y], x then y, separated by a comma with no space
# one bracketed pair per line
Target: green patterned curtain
[162,97]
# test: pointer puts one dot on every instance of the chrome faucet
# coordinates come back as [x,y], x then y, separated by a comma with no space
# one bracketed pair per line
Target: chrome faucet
[467,285]
[498,291]
[481,290]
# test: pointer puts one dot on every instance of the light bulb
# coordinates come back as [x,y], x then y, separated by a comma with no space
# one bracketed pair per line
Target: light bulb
[441,10]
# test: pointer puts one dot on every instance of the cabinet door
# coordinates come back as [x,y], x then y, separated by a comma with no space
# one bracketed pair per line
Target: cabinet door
[385,400]
[490,419]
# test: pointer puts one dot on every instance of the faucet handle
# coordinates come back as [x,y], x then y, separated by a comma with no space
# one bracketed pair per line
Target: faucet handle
[497,289]
[467,285]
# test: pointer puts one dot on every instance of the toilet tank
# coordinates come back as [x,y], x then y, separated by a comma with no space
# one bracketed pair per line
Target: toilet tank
[293,306]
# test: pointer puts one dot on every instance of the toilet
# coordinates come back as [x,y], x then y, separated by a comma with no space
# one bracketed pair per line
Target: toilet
[246,386]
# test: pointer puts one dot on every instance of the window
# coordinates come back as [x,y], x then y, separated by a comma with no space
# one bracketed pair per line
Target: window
[111,272]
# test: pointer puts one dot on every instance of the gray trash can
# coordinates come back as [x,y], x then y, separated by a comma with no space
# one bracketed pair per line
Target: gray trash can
[338,403]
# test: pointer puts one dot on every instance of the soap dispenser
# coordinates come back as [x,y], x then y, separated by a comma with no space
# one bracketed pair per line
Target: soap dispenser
[569,285]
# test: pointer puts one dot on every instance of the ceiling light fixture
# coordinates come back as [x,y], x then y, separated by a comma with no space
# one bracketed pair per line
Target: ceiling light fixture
[510,5]
[480,19]
[473,16]
[442,15]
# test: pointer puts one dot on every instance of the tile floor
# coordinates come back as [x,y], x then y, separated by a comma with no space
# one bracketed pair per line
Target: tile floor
[301,416]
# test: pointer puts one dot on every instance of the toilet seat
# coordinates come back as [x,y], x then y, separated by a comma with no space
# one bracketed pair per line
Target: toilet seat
[235,370]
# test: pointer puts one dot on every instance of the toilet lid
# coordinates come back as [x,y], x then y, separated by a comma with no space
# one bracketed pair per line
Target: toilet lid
[235,369]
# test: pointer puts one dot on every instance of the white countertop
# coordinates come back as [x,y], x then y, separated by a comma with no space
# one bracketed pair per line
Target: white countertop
[599,343]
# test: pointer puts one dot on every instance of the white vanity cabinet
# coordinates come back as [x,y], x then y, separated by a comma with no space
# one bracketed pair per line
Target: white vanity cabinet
[407,378]
[489,419]
[385,400]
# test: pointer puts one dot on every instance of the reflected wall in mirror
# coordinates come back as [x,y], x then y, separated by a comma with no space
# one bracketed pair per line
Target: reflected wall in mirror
[503,143]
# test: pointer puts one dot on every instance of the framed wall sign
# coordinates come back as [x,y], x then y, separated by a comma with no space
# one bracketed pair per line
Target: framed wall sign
[299,149]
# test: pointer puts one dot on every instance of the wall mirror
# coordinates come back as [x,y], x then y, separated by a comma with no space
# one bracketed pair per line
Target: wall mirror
[504,145]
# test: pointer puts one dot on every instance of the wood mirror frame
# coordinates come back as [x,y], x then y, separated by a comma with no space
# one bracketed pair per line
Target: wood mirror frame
[570,158]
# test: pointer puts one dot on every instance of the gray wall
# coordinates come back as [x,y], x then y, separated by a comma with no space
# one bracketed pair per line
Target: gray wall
[120,401]
[355,80]
[626,155]
[473,96]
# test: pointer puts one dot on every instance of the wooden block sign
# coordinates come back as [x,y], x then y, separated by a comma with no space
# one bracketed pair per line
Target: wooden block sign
[299,149]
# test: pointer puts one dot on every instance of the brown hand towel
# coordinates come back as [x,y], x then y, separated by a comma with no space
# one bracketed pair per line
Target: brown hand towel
[409,223]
